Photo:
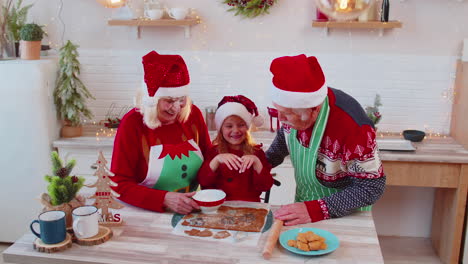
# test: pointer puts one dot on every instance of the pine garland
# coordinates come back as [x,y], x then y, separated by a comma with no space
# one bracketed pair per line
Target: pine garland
[62,187]
[250,8]
[70,93]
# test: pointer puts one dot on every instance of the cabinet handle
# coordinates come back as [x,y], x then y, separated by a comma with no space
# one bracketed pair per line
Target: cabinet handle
[94,167]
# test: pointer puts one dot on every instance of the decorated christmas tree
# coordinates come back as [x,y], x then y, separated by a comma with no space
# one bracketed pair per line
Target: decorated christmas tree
[70,93]
[63,188]
[104,196]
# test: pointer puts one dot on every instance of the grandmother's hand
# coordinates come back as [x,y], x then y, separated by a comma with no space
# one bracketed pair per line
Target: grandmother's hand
[293,214]
[180,202]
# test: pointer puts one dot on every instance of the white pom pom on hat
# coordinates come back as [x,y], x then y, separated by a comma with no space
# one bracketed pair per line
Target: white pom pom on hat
[240,106]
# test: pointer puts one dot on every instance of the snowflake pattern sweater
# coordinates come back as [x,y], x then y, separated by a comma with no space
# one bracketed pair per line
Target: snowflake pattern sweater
[348,159]
[131,153]
[246,186]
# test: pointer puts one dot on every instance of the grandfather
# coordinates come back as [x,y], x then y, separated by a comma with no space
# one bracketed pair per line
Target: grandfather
[331,143]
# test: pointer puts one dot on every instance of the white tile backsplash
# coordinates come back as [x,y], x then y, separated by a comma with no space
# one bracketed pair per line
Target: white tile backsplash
[416,90]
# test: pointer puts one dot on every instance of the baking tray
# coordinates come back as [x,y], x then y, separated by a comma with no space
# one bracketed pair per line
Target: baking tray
[395,145]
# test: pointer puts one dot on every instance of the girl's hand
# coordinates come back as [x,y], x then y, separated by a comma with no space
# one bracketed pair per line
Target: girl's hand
[248,161]
[180,202]
[232,161]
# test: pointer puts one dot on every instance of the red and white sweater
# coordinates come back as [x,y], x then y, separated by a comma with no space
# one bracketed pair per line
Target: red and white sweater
[348,159]
[131,153]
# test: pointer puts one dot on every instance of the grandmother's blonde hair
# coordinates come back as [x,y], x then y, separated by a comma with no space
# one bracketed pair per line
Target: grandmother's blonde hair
[150,113]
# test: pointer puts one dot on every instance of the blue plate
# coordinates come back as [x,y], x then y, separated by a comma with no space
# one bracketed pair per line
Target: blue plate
[332,241]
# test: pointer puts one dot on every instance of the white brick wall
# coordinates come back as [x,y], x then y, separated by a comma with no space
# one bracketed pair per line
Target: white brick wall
[415,89]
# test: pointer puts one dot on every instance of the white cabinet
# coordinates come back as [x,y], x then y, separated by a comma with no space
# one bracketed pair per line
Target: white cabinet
[28,127]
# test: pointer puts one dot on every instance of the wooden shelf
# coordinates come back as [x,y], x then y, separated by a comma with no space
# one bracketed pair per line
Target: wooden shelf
[357,24]
[186,23]
[399,250]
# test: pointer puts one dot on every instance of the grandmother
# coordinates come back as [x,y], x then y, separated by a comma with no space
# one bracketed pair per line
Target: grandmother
[159,144]
[331,143]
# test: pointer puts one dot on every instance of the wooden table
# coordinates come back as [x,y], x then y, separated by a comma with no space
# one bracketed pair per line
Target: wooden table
[441,163]
[146,238]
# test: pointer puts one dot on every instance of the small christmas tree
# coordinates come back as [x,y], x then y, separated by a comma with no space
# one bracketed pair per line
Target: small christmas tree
[104,196]
[62,187]
[373,111]
[70,93]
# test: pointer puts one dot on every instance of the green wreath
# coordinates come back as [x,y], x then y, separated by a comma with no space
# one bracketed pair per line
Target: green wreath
[250,8]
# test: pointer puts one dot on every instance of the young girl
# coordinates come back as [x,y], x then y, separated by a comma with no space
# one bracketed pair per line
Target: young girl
[235,164]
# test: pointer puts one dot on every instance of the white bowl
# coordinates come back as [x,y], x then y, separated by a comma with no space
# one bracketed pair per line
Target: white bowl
[209,200]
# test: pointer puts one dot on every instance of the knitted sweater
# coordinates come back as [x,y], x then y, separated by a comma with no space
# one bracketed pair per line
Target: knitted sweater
[246,186]
[131,153]
[348,159]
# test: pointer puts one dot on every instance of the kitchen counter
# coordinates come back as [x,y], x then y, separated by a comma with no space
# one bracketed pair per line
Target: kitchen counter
[145,237]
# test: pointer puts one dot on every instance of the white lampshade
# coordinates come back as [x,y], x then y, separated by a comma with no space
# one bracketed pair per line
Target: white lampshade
[465,50]
[112,3]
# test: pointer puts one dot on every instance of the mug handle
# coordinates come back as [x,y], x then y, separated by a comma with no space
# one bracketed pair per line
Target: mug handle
[76,225]
[170,13]
[32,228]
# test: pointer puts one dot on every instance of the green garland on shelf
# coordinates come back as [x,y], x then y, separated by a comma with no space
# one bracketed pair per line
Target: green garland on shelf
[250,8]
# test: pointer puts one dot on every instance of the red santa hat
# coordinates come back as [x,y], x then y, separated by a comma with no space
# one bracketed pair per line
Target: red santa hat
[298,82]
[240,106]
[165,75]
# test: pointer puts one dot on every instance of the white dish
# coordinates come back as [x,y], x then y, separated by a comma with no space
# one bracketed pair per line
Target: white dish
[395,144]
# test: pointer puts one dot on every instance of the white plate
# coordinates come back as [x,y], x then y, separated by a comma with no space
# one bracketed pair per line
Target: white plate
[395,144]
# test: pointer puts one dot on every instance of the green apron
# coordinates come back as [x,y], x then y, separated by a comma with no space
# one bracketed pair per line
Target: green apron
[304,160]
[174,167]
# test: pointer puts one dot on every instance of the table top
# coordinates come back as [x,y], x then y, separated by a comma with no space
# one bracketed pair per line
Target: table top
[145,237]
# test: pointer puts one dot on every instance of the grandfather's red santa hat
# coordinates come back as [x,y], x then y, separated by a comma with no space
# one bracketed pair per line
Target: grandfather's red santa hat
[240,106]
[298,82]
[165,75]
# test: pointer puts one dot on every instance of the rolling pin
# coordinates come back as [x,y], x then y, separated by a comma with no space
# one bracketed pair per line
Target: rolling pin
[272,239]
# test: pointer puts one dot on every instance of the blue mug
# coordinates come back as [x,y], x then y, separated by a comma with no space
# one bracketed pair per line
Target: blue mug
[52,227]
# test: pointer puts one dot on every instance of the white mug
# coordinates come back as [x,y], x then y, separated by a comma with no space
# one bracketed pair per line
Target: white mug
[154,14]
[85,221]
[178,13]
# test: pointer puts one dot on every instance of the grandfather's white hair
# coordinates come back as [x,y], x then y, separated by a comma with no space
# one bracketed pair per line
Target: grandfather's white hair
[150,113]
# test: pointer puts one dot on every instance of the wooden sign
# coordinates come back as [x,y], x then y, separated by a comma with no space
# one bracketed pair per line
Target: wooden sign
[104,195]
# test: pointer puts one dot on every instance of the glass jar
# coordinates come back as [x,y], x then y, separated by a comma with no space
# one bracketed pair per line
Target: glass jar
[7,45]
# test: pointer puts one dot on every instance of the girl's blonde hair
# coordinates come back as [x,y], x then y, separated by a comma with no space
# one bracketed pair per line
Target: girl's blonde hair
[150,113]
[248,146]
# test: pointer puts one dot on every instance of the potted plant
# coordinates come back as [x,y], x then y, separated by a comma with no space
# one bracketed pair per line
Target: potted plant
[373,111]
[63,188]
[16,18]
[70,93]
[30,44]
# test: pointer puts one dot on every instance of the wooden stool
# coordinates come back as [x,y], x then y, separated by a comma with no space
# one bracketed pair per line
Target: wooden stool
[273,113]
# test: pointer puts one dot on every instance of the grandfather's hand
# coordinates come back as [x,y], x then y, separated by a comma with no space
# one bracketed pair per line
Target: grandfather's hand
[180,202]
[293,214]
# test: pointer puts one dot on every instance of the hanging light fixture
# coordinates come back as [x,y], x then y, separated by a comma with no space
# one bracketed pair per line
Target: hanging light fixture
[112,3]
[120,11]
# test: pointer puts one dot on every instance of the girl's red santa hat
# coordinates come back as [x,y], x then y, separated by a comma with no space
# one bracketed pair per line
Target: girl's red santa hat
[240,106]
[298,82]
[165,75]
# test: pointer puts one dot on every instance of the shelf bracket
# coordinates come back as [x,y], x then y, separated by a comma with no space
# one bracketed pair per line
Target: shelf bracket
[326,31]
[138,32]
[186,31]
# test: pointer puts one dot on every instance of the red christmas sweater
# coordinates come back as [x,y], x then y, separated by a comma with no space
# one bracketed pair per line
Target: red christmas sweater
[348,159]
[131,153]
[246,186]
